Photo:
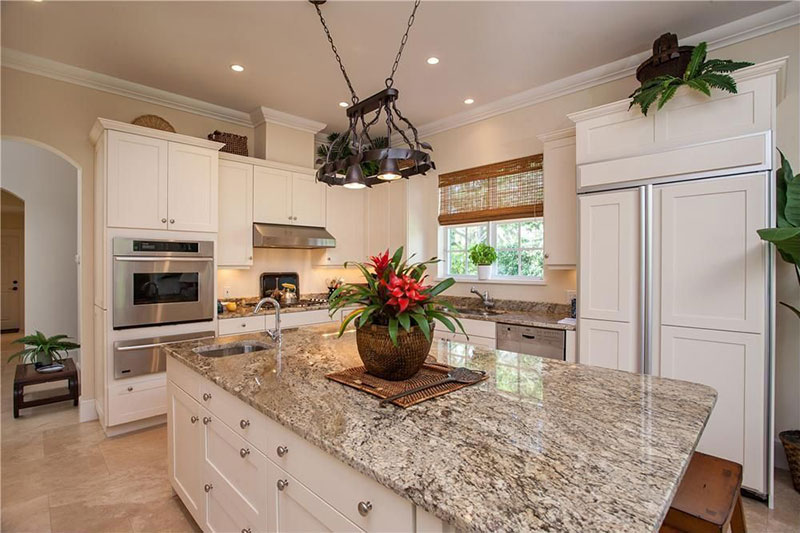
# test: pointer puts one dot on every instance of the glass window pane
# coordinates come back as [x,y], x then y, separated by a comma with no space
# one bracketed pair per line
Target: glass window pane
[531,234]
[507,263]
[532,263]
[476,234]
[508,235]
[458,261]
[457,238]
[472,269]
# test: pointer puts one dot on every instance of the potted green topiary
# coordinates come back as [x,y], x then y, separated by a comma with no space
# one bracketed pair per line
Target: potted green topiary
[786,238]
[482,255]
[44,352]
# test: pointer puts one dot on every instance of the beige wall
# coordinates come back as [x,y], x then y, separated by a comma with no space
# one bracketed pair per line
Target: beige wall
[60,115]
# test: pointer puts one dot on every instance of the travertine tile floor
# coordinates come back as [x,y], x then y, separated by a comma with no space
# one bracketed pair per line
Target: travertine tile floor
[60,475]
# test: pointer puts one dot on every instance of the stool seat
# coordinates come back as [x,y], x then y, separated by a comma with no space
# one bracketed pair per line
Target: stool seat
[708,498]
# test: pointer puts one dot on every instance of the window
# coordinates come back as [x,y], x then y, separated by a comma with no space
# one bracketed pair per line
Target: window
[499,204]
[519,245]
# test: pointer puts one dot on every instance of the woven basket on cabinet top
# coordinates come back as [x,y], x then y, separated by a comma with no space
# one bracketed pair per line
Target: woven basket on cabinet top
[234,144]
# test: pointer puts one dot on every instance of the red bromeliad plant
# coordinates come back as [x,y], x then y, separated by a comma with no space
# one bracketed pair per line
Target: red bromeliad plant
[395,296]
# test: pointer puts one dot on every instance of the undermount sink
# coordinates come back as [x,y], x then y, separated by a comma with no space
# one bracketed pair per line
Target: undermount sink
[234,348]
[474,311]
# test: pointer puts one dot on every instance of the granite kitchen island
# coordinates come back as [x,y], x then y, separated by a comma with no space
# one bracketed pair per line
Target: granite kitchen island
[541,445]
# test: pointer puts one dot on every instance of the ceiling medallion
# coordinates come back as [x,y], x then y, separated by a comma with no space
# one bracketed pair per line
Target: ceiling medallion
[357,159]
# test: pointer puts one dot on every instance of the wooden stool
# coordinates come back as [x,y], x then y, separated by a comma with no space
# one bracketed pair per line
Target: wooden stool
[709,498]
[27,375]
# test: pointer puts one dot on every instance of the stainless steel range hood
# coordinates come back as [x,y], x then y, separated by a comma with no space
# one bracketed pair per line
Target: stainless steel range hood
[288,236]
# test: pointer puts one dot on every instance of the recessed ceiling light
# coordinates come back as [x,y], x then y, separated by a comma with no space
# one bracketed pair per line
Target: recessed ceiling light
[433,60]
[237,68]
[469,101]
[344,104]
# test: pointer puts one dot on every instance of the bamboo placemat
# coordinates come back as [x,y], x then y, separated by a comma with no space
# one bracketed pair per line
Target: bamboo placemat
[358,378]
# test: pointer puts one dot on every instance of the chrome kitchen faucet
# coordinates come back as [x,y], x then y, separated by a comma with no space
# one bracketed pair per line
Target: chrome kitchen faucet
[275,334]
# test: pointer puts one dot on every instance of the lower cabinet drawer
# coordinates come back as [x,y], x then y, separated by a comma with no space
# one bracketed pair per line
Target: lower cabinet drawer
[485,342]
[226,512]
[237,415]
[247,324]
[340,485]
[305,318]
[130,401]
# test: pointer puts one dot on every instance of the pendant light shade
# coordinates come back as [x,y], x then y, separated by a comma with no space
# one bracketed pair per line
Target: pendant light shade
[354,178]
[389,171]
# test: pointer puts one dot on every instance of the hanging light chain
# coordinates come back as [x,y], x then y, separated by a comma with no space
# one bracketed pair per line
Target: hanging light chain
[403,41]
[336,53]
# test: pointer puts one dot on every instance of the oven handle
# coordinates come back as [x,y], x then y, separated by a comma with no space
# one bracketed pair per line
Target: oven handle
[157,344]
[163,259]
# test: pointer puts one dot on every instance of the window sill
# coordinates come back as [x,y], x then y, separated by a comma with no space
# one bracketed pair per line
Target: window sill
[495,281]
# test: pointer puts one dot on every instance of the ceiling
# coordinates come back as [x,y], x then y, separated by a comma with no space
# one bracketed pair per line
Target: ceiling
[488,50]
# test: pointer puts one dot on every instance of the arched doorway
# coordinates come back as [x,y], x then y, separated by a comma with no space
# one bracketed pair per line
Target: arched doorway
[12,259]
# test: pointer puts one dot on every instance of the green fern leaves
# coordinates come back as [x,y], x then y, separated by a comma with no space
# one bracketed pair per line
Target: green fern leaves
[700,75]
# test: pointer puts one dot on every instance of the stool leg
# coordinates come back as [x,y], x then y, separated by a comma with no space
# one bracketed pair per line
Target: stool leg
[737,519]
[73,388]
[17,399]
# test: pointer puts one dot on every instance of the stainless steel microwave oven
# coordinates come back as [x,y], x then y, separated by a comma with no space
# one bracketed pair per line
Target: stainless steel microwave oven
[158,282]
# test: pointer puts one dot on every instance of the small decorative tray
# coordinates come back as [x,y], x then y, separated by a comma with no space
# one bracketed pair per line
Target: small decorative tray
[358,378]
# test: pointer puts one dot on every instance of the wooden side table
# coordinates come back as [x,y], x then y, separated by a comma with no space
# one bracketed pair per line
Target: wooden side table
[27,375]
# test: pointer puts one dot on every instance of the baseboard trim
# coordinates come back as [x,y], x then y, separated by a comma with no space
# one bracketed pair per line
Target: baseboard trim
[113,431]
[87,410]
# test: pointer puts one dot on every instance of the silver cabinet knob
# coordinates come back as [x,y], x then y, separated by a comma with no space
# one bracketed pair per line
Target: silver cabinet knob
[206,420]
[172,221]
[290,218]
[194,419]
[130,389]
[282,484]
[294,218]
[364,508]
[546,256]
[246,530]
[244,325]
[163,220]
[207,487]
[244,423]
[244,452]
[282,450]
[250,258]
[206,396]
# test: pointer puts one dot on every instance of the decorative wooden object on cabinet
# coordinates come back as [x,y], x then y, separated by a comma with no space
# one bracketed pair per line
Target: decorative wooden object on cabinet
[235,237]
[560,200]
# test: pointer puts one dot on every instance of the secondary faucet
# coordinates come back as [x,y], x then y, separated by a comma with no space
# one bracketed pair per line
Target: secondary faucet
[275,334]
[488,303]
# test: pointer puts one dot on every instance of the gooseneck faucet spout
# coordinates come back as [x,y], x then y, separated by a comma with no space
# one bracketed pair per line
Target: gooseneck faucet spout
[275,334]
[488,303]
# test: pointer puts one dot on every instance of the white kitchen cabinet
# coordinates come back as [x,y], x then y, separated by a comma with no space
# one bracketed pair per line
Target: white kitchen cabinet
[481,333]
[235,235]
[560,200]
[284,197]
[609,250]
[608,344]
[136,181]
[735,365]
[386,218]
[193,188]
[308,200]
[346,210]
[245,324]
[136,399]
[185,450]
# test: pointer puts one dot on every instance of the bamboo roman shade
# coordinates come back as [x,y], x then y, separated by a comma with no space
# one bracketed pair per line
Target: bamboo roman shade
[511,189]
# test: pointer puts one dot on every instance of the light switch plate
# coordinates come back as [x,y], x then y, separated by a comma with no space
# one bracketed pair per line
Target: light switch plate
[226,292]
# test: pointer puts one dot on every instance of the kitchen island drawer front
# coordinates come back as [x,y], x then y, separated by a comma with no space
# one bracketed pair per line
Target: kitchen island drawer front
[247,324]
[184,377]
[237,415]
[235,462]
[226,511]
[135,400]
[326,476]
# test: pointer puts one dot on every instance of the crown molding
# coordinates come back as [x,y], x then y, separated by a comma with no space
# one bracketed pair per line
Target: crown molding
[262,114]
[93,80]
[550,136]
[102,124]
[768,21]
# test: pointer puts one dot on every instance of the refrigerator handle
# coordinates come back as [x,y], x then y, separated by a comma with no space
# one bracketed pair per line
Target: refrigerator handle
[641,315]
[647,299]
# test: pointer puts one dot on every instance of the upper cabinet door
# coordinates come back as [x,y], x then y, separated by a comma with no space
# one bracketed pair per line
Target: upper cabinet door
[609,255]
[308,200]
[235,237]
[137,181]
[193,188]
[560,204]
[272,196]
[712,261]
[345,221]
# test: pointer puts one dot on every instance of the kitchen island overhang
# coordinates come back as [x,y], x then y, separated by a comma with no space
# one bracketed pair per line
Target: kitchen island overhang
[542,445]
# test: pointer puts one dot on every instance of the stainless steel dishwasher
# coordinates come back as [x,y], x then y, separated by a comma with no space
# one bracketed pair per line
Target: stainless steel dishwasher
[542,342]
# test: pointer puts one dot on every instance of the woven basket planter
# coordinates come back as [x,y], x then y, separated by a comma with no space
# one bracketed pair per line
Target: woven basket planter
[383,359]
[791,445]
[234,144]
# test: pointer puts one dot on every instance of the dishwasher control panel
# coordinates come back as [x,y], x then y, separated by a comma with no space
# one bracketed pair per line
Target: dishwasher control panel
[542,342]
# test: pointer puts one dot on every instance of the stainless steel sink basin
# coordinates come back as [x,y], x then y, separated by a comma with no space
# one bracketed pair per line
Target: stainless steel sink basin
[482,312]
[234,348]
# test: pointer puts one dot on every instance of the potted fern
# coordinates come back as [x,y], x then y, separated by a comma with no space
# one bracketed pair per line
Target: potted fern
[483,256]
[44,352]
[786,238]
[701,75]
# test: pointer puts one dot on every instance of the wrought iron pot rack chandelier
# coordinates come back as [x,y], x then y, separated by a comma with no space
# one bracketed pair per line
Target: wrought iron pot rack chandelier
[392,163]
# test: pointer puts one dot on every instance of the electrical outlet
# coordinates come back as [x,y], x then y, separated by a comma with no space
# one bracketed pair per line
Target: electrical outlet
[226,292]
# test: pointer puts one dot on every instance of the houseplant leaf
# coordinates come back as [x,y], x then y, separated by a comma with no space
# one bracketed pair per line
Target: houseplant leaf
[786,240]
[794,309]
[791,209]
[695,62]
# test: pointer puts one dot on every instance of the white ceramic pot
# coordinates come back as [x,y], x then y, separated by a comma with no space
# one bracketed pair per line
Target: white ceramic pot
[484,271]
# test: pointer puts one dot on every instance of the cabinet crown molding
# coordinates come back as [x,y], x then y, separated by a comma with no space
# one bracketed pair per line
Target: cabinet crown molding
[556,135]
[262,114]
[102,124]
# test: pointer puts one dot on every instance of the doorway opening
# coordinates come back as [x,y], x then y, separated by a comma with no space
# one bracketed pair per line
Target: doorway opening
[12,262]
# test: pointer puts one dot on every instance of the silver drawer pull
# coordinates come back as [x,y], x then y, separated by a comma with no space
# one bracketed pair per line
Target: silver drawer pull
[206,396]
[207,487]
[244,423]
[194,419]
[282,484]
[244,325]
[282,450]
[364,508]
[244,452]
[130,389]
[246,530]
[206,420]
